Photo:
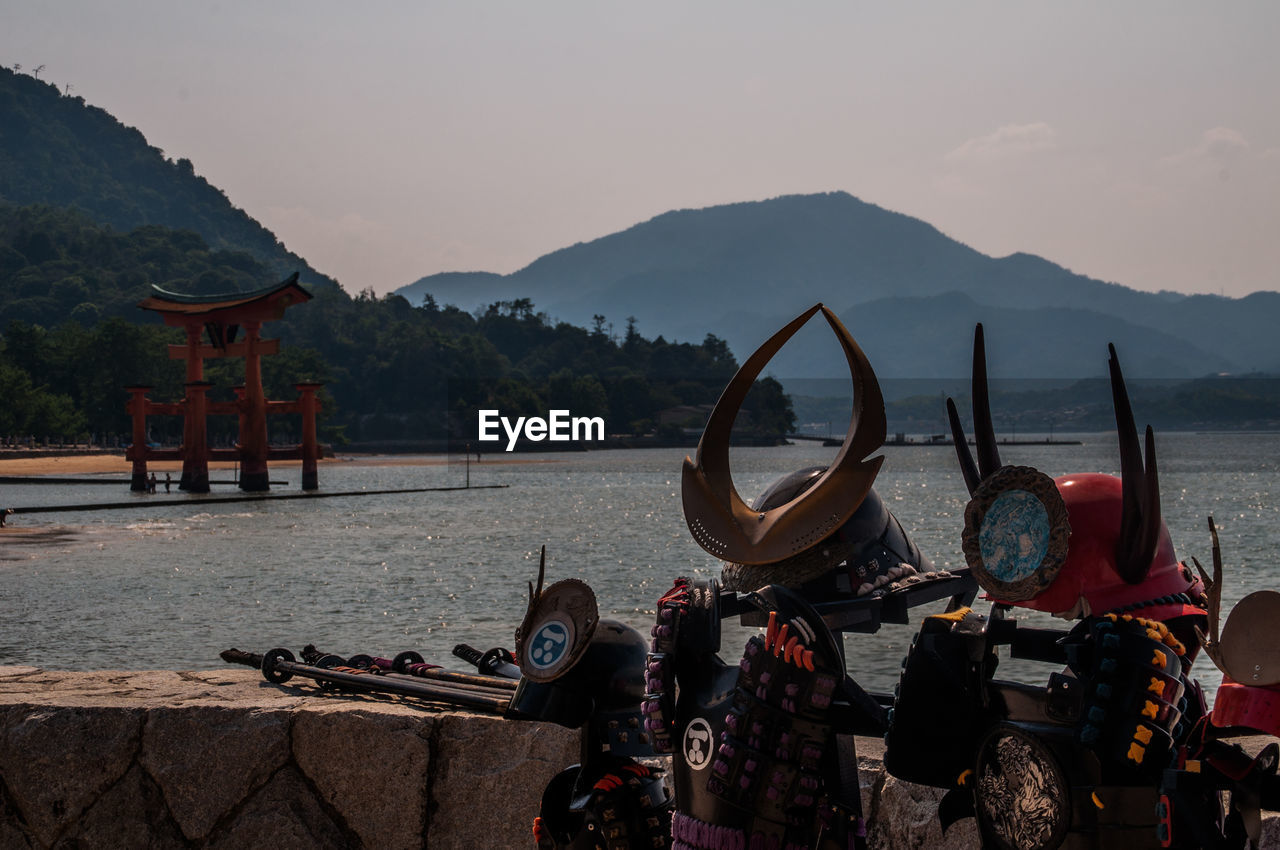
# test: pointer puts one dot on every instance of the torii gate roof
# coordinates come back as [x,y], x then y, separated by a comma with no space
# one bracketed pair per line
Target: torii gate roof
[262,305]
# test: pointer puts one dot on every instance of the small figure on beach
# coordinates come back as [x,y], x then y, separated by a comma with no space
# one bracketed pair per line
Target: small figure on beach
[151,483]
[4,515]
[168,482]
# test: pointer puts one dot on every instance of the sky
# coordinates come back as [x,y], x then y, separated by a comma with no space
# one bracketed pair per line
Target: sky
[1134,142]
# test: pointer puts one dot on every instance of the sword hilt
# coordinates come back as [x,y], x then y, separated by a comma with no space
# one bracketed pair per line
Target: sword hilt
[495,662]
[469,654]
[239,656]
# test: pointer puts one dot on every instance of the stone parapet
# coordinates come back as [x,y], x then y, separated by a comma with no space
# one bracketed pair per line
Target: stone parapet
[224,759]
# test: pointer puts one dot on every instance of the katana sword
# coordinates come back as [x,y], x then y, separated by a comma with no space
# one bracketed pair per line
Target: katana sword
[279,666]
[411,663]
[495,662]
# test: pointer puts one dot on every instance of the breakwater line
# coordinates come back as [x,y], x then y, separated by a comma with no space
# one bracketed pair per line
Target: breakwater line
[115,482]
[214,500]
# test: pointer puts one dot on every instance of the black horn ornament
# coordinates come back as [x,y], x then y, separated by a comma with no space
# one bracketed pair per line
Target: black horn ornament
[1140,523]
[984,433]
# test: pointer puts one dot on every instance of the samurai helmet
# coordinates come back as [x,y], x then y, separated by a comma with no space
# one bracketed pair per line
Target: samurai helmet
[1247,651]
[1076,545]
[573,663]
[793,532]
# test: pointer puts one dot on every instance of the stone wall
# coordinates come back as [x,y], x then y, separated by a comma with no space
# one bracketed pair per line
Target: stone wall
[224,759]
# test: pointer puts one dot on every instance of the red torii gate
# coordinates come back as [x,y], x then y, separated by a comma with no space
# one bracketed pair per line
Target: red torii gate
[221,318]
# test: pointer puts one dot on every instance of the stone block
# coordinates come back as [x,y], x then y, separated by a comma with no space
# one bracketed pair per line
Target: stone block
[284,815]
[56,762]
[13,832]
[906,817]
[488,779]
[362,762]
[206,759]
[130,814]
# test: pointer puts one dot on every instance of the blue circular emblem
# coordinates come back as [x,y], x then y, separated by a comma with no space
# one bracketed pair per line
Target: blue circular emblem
[1014,537]
[549,645]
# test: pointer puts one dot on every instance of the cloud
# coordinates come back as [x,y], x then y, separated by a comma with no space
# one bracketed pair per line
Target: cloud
[1219,149]
[1011,140]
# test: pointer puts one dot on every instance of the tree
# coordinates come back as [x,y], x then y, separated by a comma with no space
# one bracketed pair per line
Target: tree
[770,408]
[717,348]
[32,410]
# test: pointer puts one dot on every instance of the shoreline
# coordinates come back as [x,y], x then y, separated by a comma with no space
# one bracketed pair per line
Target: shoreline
[103,463]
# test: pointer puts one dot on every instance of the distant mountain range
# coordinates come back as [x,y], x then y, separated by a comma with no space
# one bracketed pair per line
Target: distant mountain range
[909,294]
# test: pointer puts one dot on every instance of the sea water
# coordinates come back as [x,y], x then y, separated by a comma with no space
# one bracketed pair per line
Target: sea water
[171,585]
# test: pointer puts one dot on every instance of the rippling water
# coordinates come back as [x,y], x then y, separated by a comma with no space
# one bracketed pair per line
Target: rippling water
[170,587]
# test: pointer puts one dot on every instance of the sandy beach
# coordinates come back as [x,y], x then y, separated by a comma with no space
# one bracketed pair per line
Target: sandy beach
[106,464]
[85,464]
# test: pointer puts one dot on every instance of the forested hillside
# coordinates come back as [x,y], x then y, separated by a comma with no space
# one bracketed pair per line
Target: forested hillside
[58,150]
[71,337]
[57,264]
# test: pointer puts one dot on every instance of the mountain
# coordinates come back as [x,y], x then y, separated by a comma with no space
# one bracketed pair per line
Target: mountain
[932,337]
[909,293]
[91,217]
[739,271]
[59,151]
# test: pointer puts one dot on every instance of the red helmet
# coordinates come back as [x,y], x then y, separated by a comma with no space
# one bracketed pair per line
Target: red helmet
[1247,707]
[1077,545]
[1094,508]
[1247,652]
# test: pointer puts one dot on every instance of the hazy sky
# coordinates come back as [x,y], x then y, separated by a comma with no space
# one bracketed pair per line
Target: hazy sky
[1137,142]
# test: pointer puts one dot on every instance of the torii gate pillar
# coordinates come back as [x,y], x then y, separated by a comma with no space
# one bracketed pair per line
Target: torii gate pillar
[307,406]
[195,373]
[195,448]
[138,451]
[254,476]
